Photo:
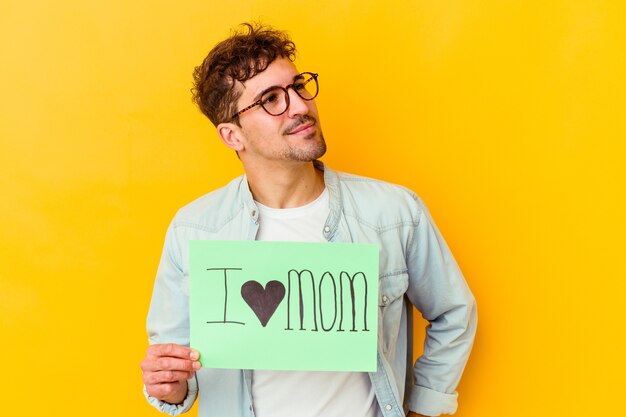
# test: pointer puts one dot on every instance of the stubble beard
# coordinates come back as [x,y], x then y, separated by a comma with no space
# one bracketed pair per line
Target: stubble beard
[315,145]
[314,149]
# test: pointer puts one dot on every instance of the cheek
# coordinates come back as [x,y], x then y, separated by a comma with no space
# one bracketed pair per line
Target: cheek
[312,108]
[262,131]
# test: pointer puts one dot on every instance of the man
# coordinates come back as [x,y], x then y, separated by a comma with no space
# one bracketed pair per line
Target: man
[264,109]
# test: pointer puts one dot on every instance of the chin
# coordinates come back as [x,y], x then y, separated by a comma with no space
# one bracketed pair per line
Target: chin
[319,149]
[309,154]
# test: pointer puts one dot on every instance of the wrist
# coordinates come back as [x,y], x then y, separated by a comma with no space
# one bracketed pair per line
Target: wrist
[178,396]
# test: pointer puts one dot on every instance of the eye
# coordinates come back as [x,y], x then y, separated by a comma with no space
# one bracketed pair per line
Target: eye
[271,97]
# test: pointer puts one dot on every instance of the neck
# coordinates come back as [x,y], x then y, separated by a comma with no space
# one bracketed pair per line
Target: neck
[286,186]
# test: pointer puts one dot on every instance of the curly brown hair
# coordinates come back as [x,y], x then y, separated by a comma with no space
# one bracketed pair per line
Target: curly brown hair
[238,58]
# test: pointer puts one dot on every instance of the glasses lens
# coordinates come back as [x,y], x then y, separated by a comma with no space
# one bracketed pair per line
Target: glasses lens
[306,86]
[274,101]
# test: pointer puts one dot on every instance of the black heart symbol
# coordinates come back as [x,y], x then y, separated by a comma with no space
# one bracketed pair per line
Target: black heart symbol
[263,301]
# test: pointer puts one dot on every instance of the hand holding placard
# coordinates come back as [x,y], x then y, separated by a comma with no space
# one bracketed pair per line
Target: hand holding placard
[166,369]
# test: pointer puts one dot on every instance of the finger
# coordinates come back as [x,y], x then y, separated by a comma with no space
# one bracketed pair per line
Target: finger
[172,350]
[161,391]
[169,364]
[160,377]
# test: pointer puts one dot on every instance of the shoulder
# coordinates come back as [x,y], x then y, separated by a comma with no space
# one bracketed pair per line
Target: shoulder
[370,197]
[357,186]
[215,208]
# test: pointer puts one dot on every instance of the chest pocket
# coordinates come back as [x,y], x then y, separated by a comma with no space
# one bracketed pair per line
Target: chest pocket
[390,307]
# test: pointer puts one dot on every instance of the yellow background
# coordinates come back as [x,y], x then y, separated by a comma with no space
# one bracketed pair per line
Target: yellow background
[507,117]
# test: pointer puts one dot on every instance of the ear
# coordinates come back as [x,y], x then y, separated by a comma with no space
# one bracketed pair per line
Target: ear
[231,135]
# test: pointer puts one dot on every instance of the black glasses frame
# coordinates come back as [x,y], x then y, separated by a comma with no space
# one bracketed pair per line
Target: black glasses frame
[259,102]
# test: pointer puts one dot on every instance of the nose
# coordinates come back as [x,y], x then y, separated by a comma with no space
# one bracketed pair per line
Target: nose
[297,106]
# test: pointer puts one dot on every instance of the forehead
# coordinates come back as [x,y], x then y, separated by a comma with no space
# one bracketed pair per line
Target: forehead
[280,72]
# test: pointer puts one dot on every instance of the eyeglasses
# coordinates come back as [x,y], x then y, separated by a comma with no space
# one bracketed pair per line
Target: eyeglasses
[275,100]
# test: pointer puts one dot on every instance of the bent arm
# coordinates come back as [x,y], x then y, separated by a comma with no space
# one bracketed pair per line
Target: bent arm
[438,290]
[168,321]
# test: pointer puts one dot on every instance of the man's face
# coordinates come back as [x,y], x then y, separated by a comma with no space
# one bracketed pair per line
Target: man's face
[294,136]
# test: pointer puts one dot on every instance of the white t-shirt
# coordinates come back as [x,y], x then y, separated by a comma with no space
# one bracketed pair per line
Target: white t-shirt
[307,393]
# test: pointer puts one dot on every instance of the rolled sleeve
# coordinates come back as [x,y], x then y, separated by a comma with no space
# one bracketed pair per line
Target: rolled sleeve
[428,402]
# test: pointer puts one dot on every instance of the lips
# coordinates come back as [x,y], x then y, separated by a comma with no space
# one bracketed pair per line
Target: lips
[301,127]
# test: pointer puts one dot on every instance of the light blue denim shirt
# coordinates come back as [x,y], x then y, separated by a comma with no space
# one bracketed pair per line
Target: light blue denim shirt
[416,267]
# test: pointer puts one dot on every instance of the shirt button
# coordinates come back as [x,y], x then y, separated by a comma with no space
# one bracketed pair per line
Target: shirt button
[385,299]
[326,229]
[253,213]
[388,407]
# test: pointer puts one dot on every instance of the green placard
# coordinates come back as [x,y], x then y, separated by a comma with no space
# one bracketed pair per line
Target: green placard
[284,305]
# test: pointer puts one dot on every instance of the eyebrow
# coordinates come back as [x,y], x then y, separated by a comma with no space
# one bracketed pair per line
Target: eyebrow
[258,96]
